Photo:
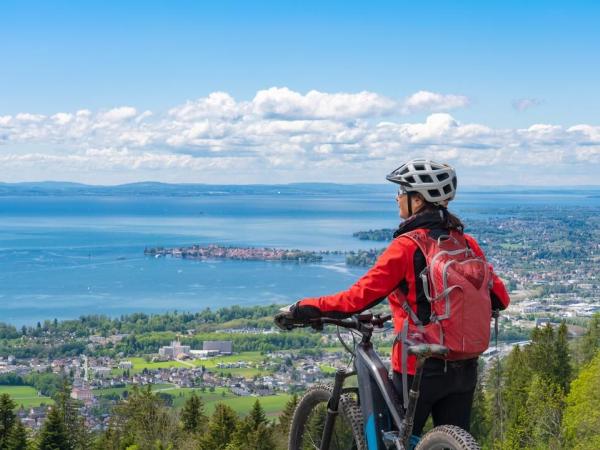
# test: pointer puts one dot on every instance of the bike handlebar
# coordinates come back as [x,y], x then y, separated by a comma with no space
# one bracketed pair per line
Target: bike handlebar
[357,322]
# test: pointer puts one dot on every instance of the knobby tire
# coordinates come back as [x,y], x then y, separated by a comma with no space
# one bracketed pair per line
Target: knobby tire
[448,437]
[309,416]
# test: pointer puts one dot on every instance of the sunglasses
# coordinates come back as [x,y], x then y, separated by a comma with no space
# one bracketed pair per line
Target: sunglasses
[400,193]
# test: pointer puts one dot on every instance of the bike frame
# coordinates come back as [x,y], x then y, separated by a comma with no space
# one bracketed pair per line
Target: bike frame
[387,424]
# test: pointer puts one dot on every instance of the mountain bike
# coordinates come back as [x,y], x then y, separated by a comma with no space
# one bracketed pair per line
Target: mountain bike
[370,416]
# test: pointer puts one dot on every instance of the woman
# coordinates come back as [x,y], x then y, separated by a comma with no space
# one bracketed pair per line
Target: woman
[447,387]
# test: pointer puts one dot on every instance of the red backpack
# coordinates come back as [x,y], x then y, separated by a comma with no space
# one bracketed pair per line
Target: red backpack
[457,284]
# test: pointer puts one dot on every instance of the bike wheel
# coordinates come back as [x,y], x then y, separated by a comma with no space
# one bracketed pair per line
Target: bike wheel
[308,422]
[448,437]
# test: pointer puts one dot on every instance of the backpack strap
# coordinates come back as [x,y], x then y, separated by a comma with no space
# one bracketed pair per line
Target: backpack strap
[409,311]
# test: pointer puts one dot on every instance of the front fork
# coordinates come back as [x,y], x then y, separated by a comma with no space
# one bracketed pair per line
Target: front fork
[333,406]
[413,396]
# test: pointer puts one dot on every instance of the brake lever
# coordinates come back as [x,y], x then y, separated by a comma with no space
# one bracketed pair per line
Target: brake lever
[380,321]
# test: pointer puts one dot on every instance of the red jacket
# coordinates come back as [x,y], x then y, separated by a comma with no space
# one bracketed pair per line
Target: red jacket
[394,270]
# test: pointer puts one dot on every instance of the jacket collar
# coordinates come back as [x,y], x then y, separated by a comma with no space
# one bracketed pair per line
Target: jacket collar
[435,219]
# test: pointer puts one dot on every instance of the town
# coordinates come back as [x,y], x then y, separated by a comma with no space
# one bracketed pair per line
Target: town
[237,253]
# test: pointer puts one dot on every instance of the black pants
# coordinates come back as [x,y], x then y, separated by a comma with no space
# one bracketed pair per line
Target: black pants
[446,393]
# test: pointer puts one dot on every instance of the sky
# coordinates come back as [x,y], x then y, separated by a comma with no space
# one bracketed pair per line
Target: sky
[108,92]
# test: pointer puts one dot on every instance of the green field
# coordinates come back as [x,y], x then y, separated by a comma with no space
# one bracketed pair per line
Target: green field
[119,390]
[139,364]
[272,405]
[25,396]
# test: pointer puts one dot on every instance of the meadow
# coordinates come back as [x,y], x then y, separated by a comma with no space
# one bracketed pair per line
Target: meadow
[253,359]
[272,404]
[25,396]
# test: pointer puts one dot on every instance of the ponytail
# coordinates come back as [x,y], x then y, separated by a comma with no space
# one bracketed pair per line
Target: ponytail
[450,221]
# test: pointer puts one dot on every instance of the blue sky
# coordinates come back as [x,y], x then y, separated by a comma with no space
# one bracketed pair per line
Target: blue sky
[517,64]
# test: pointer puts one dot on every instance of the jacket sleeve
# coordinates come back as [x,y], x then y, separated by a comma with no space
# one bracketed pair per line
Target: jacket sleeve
[498,292]
[370,289]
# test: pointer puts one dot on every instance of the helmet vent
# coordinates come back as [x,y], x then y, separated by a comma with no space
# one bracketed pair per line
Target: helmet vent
[447,189]
[426,179]
[410,179]
[404,171]
[434,192]
[419,167]
[442,176]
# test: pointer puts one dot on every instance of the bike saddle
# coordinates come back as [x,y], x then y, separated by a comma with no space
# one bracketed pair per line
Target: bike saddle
[427,350]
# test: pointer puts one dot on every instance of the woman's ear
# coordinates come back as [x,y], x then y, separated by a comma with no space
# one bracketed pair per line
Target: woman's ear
[419,201]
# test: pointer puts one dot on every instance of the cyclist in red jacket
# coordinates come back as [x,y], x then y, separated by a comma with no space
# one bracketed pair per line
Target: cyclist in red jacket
[447,387]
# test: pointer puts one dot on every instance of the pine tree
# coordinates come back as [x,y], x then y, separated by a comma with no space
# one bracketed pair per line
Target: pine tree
[18,438]
[110,439]
[541,357]
[286,416]
[7,419]
[53,435]
[77,433]
[193,418]
[261,431]
[144,420]
[516,392]
[545,404]
[562,370]
[242,438]
[495,396]
[222,423]
[262,438]
[479,415]
[590,342]
[548,355]
[254,432]
[257,415]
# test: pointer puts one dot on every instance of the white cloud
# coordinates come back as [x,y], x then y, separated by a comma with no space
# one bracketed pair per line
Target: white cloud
[26,117]
[218,105]
[284,103]
[118,114]
[432,101]
[62,118]
[523,104]
[315,136]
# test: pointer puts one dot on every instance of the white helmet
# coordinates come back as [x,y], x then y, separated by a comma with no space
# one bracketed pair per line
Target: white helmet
[436,182]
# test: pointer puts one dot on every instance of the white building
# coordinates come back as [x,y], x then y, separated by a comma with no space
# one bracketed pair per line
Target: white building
[175,350]
[125,365]
[223,347]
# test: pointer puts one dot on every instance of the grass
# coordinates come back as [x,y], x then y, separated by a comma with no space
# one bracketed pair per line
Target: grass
[326,368]
[272,404]
[251,357]
[139,364]
[254,358]
[119,390]
[25,396]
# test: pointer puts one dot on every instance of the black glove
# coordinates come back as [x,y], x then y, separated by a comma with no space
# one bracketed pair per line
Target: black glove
[295,314]
[284,319]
